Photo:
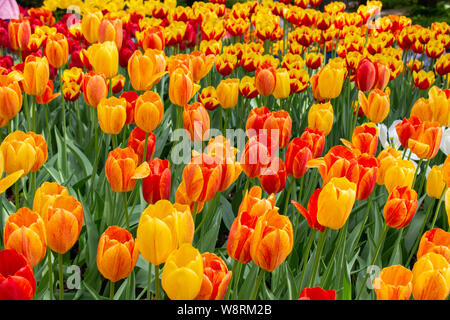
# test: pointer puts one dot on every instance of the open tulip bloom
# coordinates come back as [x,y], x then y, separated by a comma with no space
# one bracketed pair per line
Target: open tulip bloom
[255,150]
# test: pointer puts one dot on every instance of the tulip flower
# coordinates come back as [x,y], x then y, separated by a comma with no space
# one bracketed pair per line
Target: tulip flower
[182,87]
[321,117]
[317,293]
[283,84]
[208,97]
[327,83]
[148,111]
[363,172]
[112,114]
[400,207]
[35,75]
[25,233]
[111,30]
[435,183]
[215,278]
[225,63]
[426,140]
[94,87]
[393,283]
[273,178]
[156,186]
[16,276]
[122,170]
[130,97]
[279,123]
[136,141]
[247,87]
[435,240]
[19,153]
[310,214]
[117,83]
[366,73]
[10,97]
[257,155]
[316,140]
[399,174]
[90,24]
[151,38]
[104,58]
[298,153]
[63,220]
[19,32]
[272,240]
[117,253]
[48,95]
[228,92]
[183,273]
[255,121]
[364,139]
[196,121]
[335,202]
[201,64]
[376,107]
[265,79]
[57,50]
[313,60]
[146,69]
[46,195]
[431,277]
[182,197]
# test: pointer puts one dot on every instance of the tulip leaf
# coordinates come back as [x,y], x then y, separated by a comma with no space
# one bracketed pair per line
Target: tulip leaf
[92,292]
[227,212]
[246,289]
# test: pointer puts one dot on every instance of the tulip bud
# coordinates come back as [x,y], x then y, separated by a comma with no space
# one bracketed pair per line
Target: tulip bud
[321,117]
[228,93]
[400,207]
[117,254]
[435,183]
[149,111]
[365,75]
[156,186]
[112,114]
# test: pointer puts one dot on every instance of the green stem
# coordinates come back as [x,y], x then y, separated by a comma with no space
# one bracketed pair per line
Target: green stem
[111,290]
[47,127]
[333,255]
[437,210]
[33,114]
[306,257]
[213,204]
[50,273]
[397,242]
[366,216]
[288,195]
[144,155]
[424,175]
[319,250]
[16,195]
[257,284]
[415,173]
[97,151]
[125,207]
[194,210]
[61,277]
[425,220]
[27,111]
[114,141]
[236,280]
[64,127]
[157,291]
[233,277]
[375,255]
[149,281]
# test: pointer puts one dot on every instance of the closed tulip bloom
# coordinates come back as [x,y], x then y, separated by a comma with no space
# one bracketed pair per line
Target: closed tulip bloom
[63,221]
[283,84]
[228,92]
[19,152]
[94,87]
[202,178]
[435,183]
[317,293]
[25,233]
[122,170]
[112,114]
[182,87]
[156,186]
[40,146]
[90,24]
[365,138]
[298,153]
[10,97]
[201,64]
[376,107]
[111,30]
[35,75]
[151,38]
[310,214]
[148,111]
[393,283]
[258,154]
[426,140]
[196,121]
[47,193]
[57,50]
[399,174]
[182,275]
[273,178]
[316,140]
[19,33]
[383,76]
[255,121]
[334,164]
[400,207]
[364,174]
[130,97]
[330,79]
[104,58]
[146,69]
[136,141]
[321,117]
[279,124]
[16,276]
[265,79]
[215,278]
[386,158]
[431,277]
[272,240]
[366,73]
[435,240]
[117,253]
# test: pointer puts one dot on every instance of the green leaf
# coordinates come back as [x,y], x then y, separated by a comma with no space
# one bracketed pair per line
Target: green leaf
[228,215]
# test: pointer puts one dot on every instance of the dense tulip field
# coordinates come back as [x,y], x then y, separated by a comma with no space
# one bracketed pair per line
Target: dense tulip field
[264,150]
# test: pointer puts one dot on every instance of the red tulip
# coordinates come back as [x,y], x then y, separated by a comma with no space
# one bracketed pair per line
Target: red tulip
[16,277]
[156,186]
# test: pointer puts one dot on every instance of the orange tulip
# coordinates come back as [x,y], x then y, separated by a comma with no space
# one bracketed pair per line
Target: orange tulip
[90,24]
[196,121]
[316,139]
[400,207]
[321,117]
[437,241]
[310,214]
[63,221]
[112,114]
[146,69]
[201,64]
[156,186]
[25,233]
[377,106]
[48,95]
[40,149]
[19,32]
[111,30]
[279,123]
[255,121]
[364,139]
[57,50]
[136,141]
[431,277]
[10,97]
[215,278]
[182,87]
[117,253]
[364,174]
[386,158]
[47,193]
[257,155]
[19,153]
[272,240]
[151,38]
[394,283]
[148,111]
[265,79]
[298,153]
[94,87]
[273,178]
[426,140]
[122,170]
[35,75]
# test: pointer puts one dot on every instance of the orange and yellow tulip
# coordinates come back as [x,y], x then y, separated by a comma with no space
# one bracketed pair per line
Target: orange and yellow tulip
[228,92]
[19,32]
[47,193]
[196,121]
[321,117]
[10,97]
[435,240]
[146,69]
[112,114]
[215,278]
[148,111]
[431,277]
[57,50]
[156,186]
[394,283]
[35,75]
[90,24]
[376,107]
[265,79]
[111,30]
[104,58]
[94,87]
[182,87]
[400,207]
